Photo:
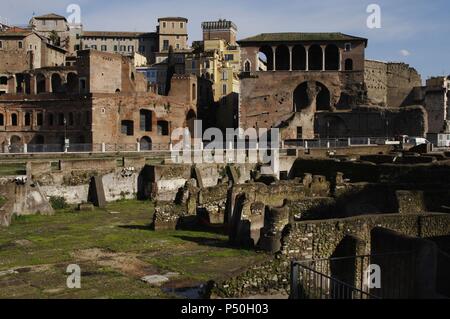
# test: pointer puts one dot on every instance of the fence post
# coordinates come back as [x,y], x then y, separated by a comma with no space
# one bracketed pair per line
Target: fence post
[294,281]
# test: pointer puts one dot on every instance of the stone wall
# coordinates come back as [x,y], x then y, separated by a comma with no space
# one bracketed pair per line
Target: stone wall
[391,84]
[320,239]
[22,198]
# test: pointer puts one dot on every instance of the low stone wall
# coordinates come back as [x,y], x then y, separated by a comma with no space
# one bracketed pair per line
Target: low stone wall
[322,239]
[21,199]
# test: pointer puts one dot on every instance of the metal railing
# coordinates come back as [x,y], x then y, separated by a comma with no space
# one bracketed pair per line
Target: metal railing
[153,147]
[347,277]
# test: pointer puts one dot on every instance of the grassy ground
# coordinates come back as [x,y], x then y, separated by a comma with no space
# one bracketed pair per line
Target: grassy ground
[114,251]
[12,169]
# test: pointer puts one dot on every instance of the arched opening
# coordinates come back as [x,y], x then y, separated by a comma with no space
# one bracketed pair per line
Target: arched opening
[145,120]
[23,83]
[61,119]
[299,58]
[146,143]
[14,119]
[3,80]
[315,58]
[332,57]
[265,59]
[323,98]
[282,58]
[16,144]
[72,83]
[40,83]
[247,66]
[117,90]
[348,65]
[301,100]
[56,83]
[190,121]
[163,128]
[27,119]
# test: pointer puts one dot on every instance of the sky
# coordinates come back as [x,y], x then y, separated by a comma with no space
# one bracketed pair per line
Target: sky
[412,31]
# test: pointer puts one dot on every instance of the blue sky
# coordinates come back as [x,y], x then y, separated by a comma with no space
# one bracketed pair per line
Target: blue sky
[415,31]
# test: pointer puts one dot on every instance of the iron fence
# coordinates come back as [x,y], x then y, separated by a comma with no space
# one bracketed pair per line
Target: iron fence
[348,277]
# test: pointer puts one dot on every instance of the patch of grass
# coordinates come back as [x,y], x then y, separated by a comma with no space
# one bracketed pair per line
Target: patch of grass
[2,201]
[7,169]
[55,241]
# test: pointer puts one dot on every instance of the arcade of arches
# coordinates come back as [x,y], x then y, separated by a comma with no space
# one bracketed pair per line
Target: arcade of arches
[303,58]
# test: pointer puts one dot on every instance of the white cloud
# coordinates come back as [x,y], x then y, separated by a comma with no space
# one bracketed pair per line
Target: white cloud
[405,53]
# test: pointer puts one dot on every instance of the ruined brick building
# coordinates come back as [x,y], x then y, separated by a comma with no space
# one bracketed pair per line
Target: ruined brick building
[99,100]
[315,85]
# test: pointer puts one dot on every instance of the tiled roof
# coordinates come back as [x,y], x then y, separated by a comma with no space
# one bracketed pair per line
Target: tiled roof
[50,16]
[173,19]
[300,36]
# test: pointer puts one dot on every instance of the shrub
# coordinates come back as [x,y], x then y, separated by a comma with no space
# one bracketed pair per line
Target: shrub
[58,202]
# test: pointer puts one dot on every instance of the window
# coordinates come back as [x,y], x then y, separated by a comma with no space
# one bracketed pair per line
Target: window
[3,80]
[163,128]
[131,48]
[27,119]
[193,64]
[50,119]
[14,119]
[2,120]
[229,57]
[194,91]
[71,119]
[145,120]
[247,66]
[123,48]
[61,119]
[39,119]
[1,45]
[94,47]
[127,128]
[224,75]
[173,25]
[178,46]
[166,45]
[115,48]
[142,49]
[224,89]
[164,24]
[181,25]
[20,43]
[348,47]
[104,48]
